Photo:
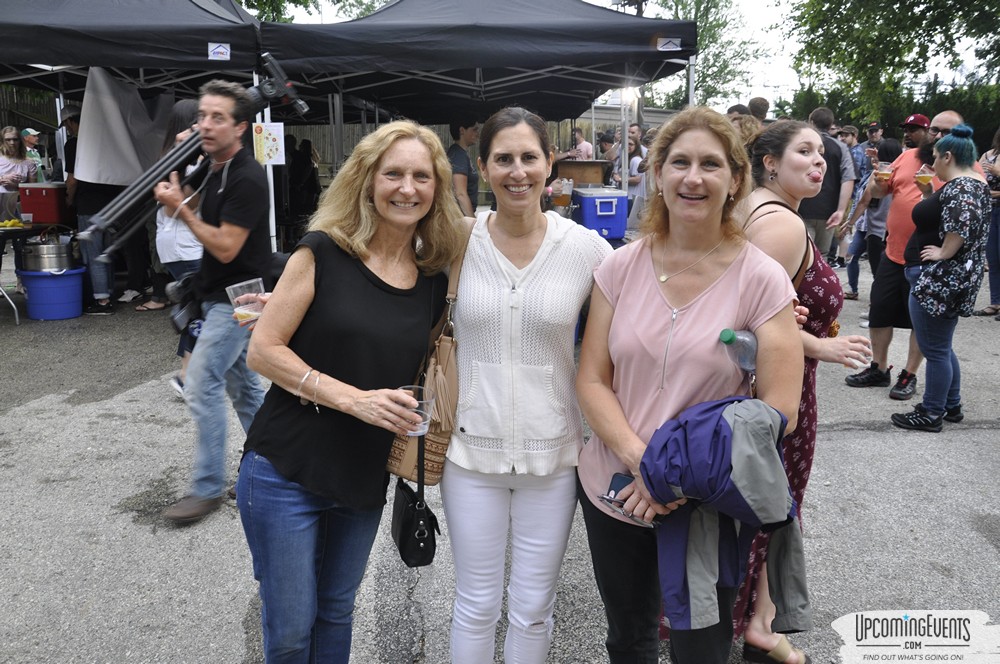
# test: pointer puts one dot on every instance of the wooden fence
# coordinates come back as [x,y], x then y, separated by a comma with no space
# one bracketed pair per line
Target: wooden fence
[23,107]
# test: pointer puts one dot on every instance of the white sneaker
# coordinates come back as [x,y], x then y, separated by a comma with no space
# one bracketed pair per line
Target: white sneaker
[864,324]
[130,295]
[864,316]
[178,385]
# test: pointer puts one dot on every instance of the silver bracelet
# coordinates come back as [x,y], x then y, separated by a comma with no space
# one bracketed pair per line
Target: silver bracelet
[302,382]
[316,391]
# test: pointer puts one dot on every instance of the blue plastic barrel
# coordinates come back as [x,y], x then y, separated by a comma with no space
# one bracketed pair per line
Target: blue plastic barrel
[53,295]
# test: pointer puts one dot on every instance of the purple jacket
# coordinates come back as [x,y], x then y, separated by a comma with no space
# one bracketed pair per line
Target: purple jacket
[724,456]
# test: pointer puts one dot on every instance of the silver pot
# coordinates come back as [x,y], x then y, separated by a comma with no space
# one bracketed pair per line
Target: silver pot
[47,257]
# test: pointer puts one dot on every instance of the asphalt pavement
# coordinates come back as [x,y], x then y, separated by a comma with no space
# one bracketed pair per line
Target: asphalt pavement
[94,443]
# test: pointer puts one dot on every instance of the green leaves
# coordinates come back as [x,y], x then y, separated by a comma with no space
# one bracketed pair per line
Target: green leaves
[875,47]
[274,10]
[723,54]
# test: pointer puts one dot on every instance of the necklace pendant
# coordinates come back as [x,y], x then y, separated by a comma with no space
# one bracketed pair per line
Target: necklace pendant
[663,278]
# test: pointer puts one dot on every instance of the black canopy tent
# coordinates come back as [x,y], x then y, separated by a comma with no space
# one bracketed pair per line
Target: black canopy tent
[128,35]
[427,59]
[423,59]
[51,44]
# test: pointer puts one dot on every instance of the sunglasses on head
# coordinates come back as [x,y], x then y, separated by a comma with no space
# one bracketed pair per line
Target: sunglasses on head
[939,130]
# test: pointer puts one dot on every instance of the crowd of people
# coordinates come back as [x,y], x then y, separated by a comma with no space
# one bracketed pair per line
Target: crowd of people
[741,225]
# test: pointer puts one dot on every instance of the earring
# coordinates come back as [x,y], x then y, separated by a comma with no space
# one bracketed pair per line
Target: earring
[732,199]
[772,176]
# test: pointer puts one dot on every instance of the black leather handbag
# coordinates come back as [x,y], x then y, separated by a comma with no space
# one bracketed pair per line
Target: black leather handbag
[414,525]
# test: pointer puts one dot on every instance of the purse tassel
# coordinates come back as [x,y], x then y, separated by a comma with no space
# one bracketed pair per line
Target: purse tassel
[440,384]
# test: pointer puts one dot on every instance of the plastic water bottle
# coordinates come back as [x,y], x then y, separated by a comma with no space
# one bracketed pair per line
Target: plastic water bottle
[742,348]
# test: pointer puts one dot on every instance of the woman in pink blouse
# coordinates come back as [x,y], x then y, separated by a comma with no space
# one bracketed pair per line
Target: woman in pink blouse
[652,349]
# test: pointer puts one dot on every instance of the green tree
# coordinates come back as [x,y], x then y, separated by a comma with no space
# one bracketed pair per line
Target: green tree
[977,101]
[723,56]
[874,48]
[353,9]
[274,10]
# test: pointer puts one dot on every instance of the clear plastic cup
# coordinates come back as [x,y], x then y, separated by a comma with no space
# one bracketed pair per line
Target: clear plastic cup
[249,287]
[248,312]
[883,171]
[425,404]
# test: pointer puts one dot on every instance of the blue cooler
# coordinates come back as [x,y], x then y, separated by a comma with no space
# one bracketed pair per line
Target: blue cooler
[603,209]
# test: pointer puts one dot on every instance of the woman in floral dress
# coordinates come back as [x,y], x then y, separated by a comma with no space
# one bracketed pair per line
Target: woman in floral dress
[788,166]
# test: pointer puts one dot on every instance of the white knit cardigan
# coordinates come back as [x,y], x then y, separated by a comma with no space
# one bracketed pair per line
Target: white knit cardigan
[517,406]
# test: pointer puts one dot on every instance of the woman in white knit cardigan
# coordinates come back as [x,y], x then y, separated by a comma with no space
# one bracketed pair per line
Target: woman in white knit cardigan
[510,474]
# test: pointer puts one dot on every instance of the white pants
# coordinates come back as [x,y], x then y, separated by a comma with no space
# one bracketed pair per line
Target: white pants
[481,509]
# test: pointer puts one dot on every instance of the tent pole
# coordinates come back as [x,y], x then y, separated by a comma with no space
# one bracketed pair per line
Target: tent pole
[333,134]
[691,71]
[265,116]
[338,116]
[62,134]
[593,130]
[623,145]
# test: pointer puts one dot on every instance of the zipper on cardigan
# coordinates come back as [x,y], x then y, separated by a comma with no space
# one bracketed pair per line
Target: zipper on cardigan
[514,305]
[666,350]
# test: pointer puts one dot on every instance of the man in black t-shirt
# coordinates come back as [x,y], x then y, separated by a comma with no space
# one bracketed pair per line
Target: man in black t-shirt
[822,213]
[231,223]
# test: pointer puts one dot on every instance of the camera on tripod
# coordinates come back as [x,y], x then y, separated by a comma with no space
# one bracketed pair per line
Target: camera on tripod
[125,214]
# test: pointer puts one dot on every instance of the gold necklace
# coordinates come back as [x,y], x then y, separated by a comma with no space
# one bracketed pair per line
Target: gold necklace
[664,276]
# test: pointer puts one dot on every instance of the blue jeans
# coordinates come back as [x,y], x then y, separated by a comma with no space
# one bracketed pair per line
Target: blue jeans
[178,269]
[218,367]
[856,248]
[102,275]
[993,256]
[309,556]
[943,377]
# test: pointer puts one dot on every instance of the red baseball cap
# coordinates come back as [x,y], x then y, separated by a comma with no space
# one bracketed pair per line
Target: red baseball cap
[916,120]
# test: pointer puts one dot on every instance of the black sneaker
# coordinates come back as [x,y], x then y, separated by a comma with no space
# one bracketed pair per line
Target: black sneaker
[953,414]
[96,309]
[918,420]
[870,377]
[905,387]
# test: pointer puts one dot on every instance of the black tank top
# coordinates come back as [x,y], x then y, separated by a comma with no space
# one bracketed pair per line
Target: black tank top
[363,332]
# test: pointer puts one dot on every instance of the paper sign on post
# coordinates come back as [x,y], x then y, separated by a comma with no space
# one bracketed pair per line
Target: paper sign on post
[269,143]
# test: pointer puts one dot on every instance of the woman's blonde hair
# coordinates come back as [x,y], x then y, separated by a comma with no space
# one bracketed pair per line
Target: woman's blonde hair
[347,210]
[655,216]
[16,153]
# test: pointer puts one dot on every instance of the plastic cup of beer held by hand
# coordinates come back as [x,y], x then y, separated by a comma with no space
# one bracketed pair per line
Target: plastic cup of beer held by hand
[243,297]
[248,312]
[925,174]
[884,171]
[425,404]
